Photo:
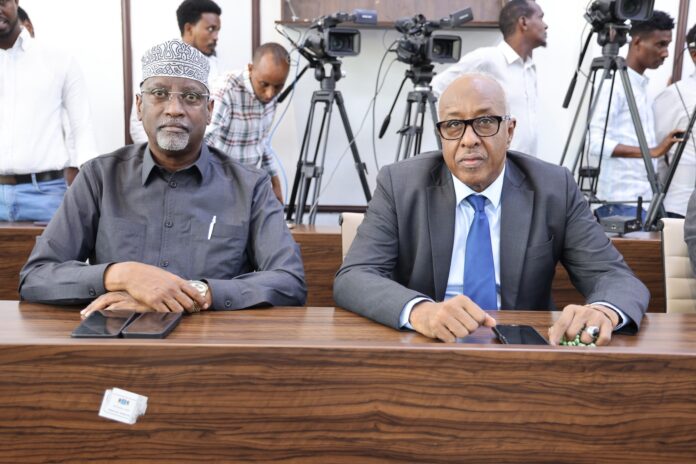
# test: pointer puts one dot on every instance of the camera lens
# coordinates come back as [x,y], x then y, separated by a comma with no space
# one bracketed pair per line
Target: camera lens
[632,7]
[339,43]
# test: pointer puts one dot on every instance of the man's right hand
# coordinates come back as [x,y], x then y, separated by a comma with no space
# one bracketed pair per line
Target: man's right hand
[153,287]
[450,319]
[666,143]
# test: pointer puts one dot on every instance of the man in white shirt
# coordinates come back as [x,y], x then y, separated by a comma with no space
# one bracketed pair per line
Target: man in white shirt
[510,62]
[673,106]
[37,83]
[199,24]
[622,176]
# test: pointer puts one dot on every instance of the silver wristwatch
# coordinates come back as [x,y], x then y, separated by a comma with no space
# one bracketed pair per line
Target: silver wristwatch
[202,288]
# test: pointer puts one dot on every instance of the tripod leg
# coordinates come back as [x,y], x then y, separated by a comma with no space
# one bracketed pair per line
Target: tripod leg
[311,169]
[322,144]
[301,162]
[433,114]
[418,125]
[403,132]
[575,121]
[359,165]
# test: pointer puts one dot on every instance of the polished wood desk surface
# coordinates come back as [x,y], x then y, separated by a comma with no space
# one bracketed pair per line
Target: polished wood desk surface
[316,385]
[25,323]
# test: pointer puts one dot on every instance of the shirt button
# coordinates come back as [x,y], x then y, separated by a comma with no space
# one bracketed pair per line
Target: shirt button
[92,292]
[228,303]
[172,184]
[165,263]
[168,224]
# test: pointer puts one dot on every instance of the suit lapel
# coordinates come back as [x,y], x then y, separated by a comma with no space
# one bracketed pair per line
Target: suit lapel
[515,222]
[441,226]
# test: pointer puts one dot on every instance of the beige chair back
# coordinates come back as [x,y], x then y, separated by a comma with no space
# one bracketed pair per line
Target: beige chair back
[349,227]
[680,284]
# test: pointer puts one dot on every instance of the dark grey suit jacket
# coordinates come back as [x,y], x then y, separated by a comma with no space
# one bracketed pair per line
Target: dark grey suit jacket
[403,248]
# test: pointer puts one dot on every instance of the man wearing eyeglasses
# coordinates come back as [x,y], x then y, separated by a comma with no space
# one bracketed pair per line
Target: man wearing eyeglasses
[172,225]
[199,24]
[475,227]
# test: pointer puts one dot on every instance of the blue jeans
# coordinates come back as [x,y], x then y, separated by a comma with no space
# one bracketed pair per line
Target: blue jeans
[619,210]
[37,201]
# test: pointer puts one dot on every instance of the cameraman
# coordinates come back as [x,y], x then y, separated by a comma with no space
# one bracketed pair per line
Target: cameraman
[622,171]
[673,107]
[510,63]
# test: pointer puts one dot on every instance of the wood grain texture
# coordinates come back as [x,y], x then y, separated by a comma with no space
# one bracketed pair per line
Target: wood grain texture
[16,242]
[324,385]
[321,252]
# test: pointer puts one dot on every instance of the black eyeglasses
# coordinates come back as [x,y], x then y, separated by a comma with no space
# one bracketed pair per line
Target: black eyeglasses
[157,96]
[485,126]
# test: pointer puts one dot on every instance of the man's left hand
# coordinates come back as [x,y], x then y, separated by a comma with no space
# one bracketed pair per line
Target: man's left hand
[115,300]
[576,318]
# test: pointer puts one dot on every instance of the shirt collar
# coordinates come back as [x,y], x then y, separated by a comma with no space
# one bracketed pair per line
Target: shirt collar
[493,192]
[23,42]
[201,166]
[511,55]
[640,79]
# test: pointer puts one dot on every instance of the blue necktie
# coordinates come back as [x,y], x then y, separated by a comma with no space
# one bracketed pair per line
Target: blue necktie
[479,274]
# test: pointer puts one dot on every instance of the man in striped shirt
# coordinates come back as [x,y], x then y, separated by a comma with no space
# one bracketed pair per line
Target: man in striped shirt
[245,105]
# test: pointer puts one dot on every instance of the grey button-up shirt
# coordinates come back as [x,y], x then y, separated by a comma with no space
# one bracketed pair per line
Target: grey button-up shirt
[216,220]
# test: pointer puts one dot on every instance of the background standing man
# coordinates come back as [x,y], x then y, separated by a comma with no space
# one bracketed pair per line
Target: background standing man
[622,176]
[510,62]
[672,107]
[245,105]
[38,83]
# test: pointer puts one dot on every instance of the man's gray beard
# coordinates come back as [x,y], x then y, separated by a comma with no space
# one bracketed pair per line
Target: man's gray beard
[172,142]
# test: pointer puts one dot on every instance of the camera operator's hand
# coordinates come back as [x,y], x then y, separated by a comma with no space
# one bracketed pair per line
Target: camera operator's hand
[670,139]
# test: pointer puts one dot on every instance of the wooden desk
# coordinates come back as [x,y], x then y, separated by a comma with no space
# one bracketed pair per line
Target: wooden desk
[323,385]
[321,251]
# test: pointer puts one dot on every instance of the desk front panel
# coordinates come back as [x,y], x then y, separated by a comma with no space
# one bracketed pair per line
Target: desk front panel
[324,385]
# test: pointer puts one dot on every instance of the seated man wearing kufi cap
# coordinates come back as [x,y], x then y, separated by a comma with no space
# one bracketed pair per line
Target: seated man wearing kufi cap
[172,225]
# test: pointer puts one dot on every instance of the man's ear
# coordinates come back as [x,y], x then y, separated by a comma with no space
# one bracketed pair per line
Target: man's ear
[522,23]
[188,30]
[511,125]
[211,105]
[139,106]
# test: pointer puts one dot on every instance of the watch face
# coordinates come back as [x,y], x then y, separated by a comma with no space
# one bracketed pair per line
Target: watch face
[200,286]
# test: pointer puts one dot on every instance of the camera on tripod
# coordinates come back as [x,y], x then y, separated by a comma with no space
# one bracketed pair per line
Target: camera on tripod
[419,46]
[602,12]
[608,18]
[325,41]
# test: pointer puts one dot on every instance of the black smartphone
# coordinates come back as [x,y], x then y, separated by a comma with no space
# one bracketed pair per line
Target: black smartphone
[152,325]
[518,335]
[104,324]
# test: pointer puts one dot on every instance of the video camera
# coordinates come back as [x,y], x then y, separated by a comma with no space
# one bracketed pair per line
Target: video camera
[419,47]
[326,41]
[602,12]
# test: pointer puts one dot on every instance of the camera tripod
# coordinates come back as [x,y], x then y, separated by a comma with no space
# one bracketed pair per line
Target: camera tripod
[313,169]
[611,64]
[411,132]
